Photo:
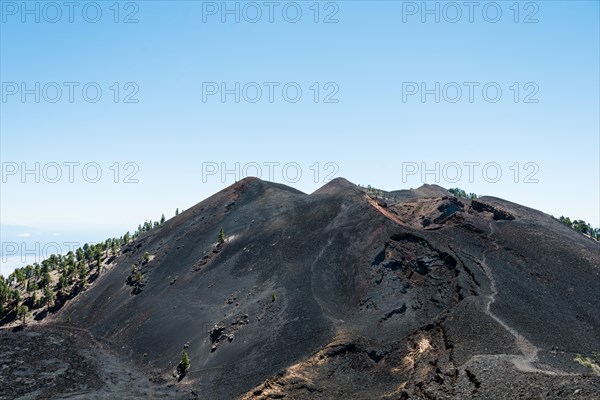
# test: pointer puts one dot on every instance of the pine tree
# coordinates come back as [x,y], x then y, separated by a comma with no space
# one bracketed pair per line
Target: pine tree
[184,365]
[98,259]
[46,279]
[23,312]
[63,282]
[221,236]
[48,296]
[185,362]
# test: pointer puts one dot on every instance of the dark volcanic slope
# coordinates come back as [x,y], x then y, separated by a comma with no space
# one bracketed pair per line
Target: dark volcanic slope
[331,295]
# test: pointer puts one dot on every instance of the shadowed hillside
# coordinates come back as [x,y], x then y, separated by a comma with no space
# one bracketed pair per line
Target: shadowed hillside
[339,294]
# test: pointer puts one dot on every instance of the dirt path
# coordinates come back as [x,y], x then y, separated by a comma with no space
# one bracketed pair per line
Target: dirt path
[529,352]
[121,380]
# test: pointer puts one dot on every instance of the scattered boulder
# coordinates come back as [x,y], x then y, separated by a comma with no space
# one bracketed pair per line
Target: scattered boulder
[497,214]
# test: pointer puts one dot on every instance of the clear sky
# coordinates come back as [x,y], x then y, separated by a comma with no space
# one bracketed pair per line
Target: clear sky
[373,91]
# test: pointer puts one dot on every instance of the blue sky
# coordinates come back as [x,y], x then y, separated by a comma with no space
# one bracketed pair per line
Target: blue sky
[365,125]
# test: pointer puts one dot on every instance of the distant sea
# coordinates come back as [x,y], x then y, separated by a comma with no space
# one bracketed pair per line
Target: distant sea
[23,245]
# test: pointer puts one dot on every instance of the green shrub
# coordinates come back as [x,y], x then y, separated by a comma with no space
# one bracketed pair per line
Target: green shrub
[588,362]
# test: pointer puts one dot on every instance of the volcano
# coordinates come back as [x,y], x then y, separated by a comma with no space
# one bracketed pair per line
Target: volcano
[409,294]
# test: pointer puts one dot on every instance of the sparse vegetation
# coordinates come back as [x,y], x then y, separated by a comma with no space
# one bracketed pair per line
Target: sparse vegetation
[580,226]
[461,194]
[373,191]
[185,361]
[49,297]
[589,362]
[221,236]
[60,277]
[23,313]
[184,365]
[136,276]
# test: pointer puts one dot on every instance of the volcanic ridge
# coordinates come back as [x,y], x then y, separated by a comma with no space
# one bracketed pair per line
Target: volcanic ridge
[410,294]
